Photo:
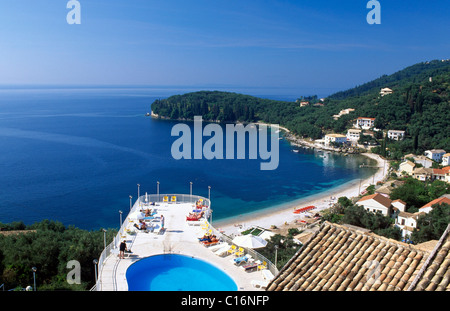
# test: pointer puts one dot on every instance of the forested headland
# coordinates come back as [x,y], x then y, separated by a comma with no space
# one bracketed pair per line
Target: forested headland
[419,105]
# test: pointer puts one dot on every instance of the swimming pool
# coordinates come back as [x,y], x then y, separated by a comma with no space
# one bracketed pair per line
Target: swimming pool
[173,272]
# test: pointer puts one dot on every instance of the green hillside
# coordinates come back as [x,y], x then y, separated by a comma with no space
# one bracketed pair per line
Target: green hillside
[419,105]
[413,74]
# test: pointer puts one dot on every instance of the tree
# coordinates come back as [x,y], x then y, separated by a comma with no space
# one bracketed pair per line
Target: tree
[345,202]
[49,248]
[382,225]
[432,225]
[412,192]
[286,248]
[416,193]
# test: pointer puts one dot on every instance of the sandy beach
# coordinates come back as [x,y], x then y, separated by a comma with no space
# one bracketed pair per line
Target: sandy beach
[278,216]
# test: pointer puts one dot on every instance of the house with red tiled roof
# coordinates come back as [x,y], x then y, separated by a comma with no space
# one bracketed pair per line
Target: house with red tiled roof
[447,173]
[428,207]
[439,174]
[399,204]
[376,203]
[423,173]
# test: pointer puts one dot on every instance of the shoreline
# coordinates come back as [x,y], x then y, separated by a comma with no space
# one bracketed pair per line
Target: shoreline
[279,215]
[283,214]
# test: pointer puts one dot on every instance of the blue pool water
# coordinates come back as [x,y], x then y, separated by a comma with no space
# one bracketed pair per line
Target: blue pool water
[171,272]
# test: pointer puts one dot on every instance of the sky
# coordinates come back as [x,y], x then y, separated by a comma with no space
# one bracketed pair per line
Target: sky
[306,47]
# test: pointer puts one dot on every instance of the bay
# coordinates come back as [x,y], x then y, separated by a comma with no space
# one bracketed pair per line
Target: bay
[75,155]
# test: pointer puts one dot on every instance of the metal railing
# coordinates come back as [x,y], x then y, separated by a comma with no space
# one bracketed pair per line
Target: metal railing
[257,256]
[140,203]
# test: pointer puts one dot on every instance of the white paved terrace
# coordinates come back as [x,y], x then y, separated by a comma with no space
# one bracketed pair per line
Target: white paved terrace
[178,238]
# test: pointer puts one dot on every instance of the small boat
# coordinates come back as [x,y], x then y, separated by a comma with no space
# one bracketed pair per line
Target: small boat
[295,150]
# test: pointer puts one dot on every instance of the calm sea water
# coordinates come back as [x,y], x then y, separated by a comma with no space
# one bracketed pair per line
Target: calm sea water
[76,155]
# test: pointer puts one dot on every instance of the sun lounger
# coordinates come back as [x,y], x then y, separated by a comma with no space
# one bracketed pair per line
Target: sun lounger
[222,251]
[239,252]
[259,284]
[242,259]
[267,275]
[156,228]
[232,249]
[192,218]
[262,266]
[218,246]
[194,223]
[250,267]
[210,243]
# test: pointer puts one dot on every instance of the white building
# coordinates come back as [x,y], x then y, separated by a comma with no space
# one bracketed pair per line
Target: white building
[424,161]
[423,173]
[407,166]
[335,138]
[342,112]
[439,174]
[407,222]
[353,134]
[396,135]
[399,205]
[364,123]
[376,203]
[446,159]
[447,173]
[428,207]
[304,104]
[435,154]
[386,91]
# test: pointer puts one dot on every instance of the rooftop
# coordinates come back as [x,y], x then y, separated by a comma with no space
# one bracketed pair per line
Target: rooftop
[179,237]
[440,200]
[340,258]
[436,151]
[364,118]
[377,197]
[335,135]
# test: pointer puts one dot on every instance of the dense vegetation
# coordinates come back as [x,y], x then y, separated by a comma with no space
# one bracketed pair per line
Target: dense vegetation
[418,106]
[415,194]
[432,225]
[283,247]
[345,212]
[48,246]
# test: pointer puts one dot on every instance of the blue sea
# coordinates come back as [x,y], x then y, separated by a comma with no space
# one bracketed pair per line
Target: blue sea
[75,155]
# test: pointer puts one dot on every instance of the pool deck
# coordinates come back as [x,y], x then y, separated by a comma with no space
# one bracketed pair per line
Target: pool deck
[179,237]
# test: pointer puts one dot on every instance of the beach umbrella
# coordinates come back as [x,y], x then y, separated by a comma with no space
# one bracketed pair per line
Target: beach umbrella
[249,241]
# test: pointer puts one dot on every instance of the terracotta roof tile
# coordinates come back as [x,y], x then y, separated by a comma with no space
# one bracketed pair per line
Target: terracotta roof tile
[440,200]
[338,258]
[377,197]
